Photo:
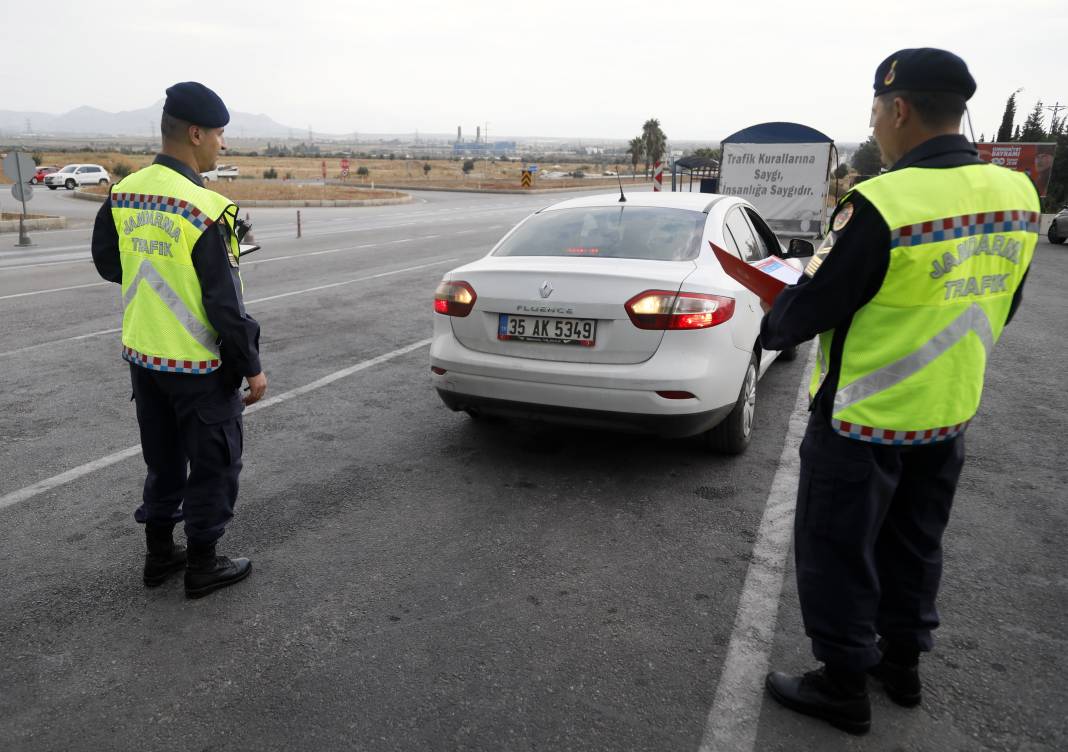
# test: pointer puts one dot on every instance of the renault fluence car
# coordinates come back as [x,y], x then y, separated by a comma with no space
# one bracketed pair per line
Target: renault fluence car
[605,313]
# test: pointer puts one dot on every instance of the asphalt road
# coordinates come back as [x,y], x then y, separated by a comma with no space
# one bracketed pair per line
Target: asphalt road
[425,582]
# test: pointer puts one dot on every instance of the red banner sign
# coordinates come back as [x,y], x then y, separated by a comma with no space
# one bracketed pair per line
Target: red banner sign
[1034,159]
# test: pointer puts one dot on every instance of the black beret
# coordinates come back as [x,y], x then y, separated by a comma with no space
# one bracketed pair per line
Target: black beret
[197,104]
[924,69]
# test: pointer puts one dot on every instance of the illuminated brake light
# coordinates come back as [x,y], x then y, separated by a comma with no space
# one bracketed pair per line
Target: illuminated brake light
[663,309]
[454,298]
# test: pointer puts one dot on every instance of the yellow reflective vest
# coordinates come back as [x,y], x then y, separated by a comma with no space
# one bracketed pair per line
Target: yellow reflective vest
[914,358]
[159,215]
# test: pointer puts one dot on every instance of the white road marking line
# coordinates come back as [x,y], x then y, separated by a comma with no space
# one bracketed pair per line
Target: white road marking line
[16,497]
[39,264]
[54,289]
[732,722]
[351,281]
[102,332]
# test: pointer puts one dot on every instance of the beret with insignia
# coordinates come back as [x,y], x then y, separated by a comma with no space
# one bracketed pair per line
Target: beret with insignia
[197,104]
[924,69]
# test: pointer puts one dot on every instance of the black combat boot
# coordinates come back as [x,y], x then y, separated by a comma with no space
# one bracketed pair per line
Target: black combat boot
[208,572]
[838,697]
[899,673]
[163,558]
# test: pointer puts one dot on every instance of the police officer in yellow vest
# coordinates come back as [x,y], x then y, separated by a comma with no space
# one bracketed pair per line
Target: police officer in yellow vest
[922,269]
[173,246]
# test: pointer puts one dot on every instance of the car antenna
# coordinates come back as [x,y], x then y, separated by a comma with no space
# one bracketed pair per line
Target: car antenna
[622,198]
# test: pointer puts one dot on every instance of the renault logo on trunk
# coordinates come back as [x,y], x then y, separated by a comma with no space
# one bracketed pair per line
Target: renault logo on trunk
[546,289]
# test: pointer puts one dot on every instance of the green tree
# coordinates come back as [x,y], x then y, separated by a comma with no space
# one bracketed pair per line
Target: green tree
[469,165]
[427,167]
[654,141]
[636,150]
[841,171]
[1007,118]
[1033,129]
[1057,192]
[867,160]
[362,171]
[121,169]
[707,153]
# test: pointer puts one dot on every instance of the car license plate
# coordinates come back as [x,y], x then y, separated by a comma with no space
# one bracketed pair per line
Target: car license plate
[540,329]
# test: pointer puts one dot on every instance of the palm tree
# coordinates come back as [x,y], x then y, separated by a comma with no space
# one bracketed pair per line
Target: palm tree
[654,141]
[635,149]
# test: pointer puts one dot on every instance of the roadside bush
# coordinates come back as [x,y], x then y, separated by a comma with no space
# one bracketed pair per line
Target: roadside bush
[121,169]
[37,157]
[362,171]
[578,174]
[289,176]
[270,173]
[469,165]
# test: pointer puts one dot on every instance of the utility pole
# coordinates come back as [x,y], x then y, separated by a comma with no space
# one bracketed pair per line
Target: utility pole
[1055,108]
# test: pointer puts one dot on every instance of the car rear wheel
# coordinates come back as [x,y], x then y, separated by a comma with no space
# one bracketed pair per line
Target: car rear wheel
[34,180]
[733,434]
[70,185]
[1054,234]
[102,182]
[52,187]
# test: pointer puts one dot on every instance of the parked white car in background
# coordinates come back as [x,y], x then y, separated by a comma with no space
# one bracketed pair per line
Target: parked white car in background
[607,314]
[221,172]
[73,175]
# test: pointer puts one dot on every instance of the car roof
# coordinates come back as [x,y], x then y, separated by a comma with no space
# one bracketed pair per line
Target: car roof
[702,202]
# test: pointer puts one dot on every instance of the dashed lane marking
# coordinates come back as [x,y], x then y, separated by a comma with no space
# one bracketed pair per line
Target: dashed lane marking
[65,340]
[733,720]
[24,494]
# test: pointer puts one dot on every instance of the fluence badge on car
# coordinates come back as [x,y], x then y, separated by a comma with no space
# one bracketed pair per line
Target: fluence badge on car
[546,289]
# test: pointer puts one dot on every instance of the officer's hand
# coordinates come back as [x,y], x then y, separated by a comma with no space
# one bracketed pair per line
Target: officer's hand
[257,385]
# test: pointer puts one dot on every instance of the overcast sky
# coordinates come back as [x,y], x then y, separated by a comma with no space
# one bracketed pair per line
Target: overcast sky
[546,67]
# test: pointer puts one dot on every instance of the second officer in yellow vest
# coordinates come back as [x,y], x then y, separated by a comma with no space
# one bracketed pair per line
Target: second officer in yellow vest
[173,246]
[920,273]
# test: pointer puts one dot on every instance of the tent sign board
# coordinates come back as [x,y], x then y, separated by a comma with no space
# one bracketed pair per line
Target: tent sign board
[782,169]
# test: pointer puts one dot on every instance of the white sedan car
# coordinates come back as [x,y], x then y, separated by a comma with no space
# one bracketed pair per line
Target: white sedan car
[604,313]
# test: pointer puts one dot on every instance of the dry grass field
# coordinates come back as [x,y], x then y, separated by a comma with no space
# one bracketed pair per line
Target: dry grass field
[270,190]
[443,172]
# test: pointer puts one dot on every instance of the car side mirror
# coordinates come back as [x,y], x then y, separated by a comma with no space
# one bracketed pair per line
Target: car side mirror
[799,248]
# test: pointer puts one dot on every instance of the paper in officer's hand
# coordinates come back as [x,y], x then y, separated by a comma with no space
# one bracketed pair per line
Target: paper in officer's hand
[767,286]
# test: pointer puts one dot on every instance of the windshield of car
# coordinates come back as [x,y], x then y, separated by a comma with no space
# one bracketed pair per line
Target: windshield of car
[69,168]
[638,232]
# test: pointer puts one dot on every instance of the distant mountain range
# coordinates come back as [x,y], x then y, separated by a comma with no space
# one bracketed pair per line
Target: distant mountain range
[89,121]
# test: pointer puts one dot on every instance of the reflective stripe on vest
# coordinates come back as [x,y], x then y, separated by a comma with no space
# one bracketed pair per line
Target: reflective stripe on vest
[913,360]
[147,273]
[974,319]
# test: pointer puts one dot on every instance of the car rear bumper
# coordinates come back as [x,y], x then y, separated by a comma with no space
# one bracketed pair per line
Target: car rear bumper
[667,426]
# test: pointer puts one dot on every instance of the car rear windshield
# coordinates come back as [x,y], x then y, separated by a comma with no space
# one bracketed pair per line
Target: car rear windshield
[638,232]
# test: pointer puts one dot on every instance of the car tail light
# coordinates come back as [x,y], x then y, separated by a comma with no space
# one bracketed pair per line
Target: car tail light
[663,309]
[672,394]
[437,370]
[454,298]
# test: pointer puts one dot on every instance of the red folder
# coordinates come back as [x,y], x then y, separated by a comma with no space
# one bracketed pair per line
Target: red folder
[764,285]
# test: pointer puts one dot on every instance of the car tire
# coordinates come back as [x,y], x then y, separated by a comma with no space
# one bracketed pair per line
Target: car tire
[33,180]
[732,436]
[787,355]
[53,187]
[483,419]
[1054,236]
[102,182]
[70,185]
